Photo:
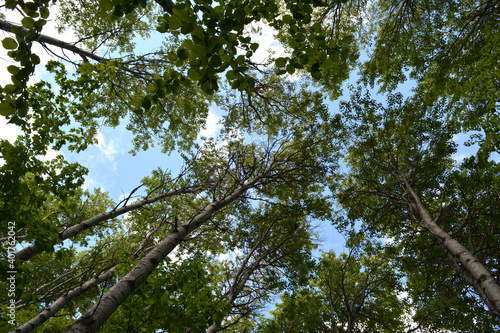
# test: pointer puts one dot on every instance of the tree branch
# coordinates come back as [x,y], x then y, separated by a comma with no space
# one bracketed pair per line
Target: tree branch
[28,252]
[44,39]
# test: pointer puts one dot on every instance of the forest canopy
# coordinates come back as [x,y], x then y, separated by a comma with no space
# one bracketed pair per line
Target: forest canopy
[214,246]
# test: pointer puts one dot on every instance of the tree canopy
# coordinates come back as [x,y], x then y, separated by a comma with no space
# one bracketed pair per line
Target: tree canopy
[210,248]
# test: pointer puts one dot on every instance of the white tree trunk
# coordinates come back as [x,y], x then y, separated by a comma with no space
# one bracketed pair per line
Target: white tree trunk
[482,277]
[91,320]
[62,301]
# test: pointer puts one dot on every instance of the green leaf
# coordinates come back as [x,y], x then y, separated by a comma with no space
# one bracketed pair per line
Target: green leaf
[136,101]
[172,56]
[10,88]
[231,75]
[182,14]
[13,69]
[281,62]
[18,31]
[35,59]
[9,43]
[327,64]
[242,85]
[287,19]
[162,27]
[106,5]
[195,74]
[28,22]
[174,23]
[187,28]
[198,51]
[347,39]
[44,12]
[6,109]
[239,14]
[182,54]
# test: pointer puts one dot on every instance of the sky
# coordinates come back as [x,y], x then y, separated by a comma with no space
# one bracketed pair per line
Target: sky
[114,170]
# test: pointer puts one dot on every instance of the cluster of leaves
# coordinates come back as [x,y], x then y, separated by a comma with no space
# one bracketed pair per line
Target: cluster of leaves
[409,144]
[214,41]
[349,293]
[177,296]
[13,96]
[449,48]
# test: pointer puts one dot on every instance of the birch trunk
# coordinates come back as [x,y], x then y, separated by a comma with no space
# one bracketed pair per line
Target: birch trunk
[482,277]
[44,39]
[62,301]
[95,317]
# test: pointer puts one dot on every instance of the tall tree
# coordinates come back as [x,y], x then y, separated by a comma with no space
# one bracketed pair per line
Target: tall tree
[353,292]
[289,167]
[400,164]
[163,97]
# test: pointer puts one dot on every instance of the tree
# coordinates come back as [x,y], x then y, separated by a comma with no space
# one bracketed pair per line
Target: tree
[275,245]
[283,169]
[400,168]
[354,292]
[164,96]
[252,193]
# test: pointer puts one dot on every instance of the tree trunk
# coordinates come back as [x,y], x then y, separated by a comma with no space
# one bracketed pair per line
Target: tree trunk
[95,317]
[62,302]
[482,277]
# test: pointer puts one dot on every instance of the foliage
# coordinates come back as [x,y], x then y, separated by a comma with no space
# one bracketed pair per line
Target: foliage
[358,291]
[449,49]
[208,249]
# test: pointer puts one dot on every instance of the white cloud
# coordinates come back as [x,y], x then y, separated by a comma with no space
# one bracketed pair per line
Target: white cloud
[89,184]
[8,132]
[107,147]
[460,157]
[231,256]
[212,125]
[50,155]
[267,43]
[175,255]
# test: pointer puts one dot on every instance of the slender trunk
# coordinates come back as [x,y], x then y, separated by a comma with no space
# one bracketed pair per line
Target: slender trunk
[482,277]
[466,277]
[62,301]
[238,283]
[28,252]
[332,315]
[44,39]
[95,317]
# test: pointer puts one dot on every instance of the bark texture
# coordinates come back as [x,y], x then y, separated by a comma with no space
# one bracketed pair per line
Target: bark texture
[167,6]
[62,301]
